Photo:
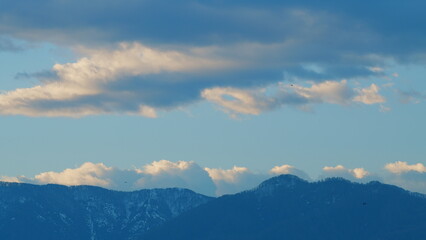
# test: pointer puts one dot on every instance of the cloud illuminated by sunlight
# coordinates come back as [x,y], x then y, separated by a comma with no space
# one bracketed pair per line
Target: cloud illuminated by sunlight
[341,171]
[257,100]
[212,181]
[91,86]
[403,167]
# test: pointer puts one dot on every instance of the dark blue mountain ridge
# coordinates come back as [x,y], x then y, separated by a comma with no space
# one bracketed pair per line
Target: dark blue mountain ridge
[287,207]
[87,212]
[283,207]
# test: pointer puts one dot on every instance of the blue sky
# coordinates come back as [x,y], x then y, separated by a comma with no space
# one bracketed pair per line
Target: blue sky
[219,84]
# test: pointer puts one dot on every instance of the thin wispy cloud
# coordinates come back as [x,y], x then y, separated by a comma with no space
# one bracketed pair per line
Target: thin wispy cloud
[257,100]
[411,96]
[8,45]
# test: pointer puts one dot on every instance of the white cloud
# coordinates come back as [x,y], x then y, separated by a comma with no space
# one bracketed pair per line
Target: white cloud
[87,174]
[133,59]
[340,93]
[90,76]
[288,169]
[182,174]
[158,174]
[211,181]
[147,111]
[359,173]
[238,179]
[239,100]
[370,95]
[10,179]
[283,169]
[257,100]
[300,42]
[164,166]
[329,92]
[403,167]
[228,175]
[409,176]
[139,80]
[356,174]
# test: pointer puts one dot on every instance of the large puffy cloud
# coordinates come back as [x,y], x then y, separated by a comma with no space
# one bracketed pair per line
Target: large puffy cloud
[206,49]
[96,174]
[403,167]
[139,80]
[108,81]
[158,174]
[408,176]
[86,174]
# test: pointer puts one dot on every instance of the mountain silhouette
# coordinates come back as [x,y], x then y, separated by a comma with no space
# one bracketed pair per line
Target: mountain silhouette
[283,207]
[287,207]
[85,212]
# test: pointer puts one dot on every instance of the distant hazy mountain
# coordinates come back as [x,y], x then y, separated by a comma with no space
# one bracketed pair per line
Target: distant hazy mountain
[84,212]
[286,207]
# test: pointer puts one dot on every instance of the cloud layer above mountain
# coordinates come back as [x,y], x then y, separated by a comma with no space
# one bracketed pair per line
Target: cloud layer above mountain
[410,176]
[145,57]
[213,181]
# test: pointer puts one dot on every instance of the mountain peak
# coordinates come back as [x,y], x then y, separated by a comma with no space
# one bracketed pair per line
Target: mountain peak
[273,184]
[88,212]
[286,180]
[289,206]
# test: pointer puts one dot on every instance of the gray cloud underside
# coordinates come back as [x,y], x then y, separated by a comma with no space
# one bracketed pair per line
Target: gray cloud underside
[364,25]
[329,32]
[161,91]
[268,42]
